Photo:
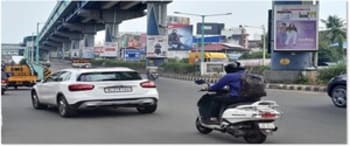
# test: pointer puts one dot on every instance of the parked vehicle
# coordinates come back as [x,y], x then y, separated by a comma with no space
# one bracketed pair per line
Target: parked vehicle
[74,89]
[251,120]
[336,90]
[21,75]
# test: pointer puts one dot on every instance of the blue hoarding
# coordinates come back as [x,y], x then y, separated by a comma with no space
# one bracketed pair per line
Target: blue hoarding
[209,39]
[132,54]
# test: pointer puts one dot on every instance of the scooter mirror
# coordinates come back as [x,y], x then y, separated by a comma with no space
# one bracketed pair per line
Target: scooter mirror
[199,82]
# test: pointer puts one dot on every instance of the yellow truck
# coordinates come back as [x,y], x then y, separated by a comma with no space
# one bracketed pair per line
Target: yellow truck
[20,75]
[194,57]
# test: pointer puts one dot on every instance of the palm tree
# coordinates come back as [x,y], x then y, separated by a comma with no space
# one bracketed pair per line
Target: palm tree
[335,29]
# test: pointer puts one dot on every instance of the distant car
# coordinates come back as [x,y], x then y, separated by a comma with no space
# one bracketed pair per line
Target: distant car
[337,90]
[74,89]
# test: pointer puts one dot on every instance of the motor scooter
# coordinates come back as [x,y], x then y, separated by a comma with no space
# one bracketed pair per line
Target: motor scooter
[152,73]
[253,121]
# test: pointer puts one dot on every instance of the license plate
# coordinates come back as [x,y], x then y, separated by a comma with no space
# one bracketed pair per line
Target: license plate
[266,125]
[117,89]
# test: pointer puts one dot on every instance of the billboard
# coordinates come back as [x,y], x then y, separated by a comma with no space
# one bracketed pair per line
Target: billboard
[133,40]
[75,53]
[88,52]
[180,36]
[295,28]
[108,50]
[132,54]
[157,46]
[210,28]
[178,20]
[209,39]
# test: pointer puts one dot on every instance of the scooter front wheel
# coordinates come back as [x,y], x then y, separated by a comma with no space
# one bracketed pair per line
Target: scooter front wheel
[202,129]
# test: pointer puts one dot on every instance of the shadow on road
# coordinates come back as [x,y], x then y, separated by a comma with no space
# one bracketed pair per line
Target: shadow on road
[18,89]
[101,112]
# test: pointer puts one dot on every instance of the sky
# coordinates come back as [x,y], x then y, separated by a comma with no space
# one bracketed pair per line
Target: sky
[19,17]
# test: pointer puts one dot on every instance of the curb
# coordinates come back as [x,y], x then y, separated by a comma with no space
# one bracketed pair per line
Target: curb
[313,88]
[297,87]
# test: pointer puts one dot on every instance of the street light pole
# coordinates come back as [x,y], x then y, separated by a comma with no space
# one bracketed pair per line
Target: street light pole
[202,30]
[202,40]
[264,45]
[37,43]
[32,50]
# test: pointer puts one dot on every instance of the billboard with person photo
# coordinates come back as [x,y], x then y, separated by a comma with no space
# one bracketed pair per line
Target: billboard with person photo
[296,28]
[180,37]
[157,46]
[133,40]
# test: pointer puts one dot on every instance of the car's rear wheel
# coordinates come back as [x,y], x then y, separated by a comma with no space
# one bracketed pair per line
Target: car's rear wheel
[63,108]
[147,109]
[339,96]
[35,101]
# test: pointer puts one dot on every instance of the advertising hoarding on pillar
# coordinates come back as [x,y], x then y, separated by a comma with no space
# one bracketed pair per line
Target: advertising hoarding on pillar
[157,46]
[294,35]
[296,28]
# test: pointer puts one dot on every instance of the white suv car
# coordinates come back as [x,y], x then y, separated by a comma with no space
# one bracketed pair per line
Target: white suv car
[73,89]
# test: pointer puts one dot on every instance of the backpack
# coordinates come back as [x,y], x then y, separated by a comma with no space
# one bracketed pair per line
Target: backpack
[252,86]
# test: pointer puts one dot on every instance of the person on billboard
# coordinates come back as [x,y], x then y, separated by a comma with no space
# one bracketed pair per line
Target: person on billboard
[282,33]
[157,49]
[133,43]
[174,40]
[292,34]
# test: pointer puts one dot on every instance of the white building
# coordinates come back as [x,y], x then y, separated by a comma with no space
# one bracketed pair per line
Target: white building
[9,50]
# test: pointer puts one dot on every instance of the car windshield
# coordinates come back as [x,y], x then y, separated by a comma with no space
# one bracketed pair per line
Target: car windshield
[108,76]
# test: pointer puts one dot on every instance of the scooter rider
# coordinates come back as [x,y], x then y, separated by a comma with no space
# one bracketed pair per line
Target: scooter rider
[210,105]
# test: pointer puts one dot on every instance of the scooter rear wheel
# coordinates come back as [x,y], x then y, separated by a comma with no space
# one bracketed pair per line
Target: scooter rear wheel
[255,138]
[201,128]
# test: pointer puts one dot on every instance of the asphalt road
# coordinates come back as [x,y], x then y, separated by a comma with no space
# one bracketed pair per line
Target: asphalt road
[308,118]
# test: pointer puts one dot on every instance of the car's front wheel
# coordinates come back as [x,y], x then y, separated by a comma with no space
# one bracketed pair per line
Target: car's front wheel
[35,101]
[147,109]
[63,108]
[339,96]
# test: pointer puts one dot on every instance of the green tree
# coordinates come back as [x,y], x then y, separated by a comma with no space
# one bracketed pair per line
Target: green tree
[253,55]
[335,29]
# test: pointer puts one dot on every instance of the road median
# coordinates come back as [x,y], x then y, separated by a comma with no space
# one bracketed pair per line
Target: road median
[297,87]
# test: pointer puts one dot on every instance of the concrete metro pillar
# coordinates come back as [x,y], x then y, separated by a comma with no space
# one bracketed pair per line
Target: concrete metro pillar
[111,35]
[88,46]
[111,32]
[75,49]
[156,25]
[64,49]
